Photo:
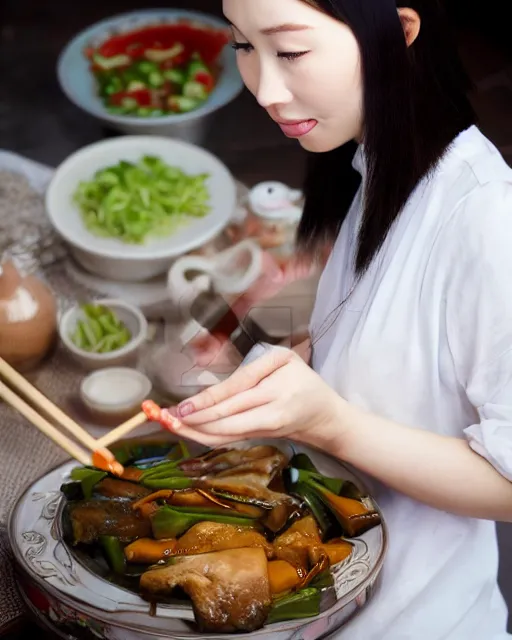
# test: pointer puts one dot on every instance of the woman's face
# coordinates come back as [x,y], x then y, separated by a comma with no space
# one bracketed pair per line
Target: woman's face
[302,66]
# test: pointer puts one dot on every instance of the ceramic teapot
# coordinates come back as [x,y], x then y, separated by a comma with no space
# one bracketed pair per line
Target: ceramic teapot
[28,318]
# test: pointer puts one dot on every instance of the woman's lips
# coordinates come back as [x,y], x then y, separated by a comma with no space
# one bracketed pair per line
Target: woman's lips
[298,128]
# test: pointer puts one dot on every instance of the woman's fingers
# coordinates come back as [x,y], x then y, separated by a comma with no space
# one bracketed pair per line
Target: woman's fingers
[237,404]
[206,439]
[267,419]
[209,440]
[242,380]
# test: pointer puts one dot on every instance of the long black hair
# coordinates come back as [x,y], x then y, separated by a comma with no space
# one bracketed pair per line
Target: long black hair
[415,104]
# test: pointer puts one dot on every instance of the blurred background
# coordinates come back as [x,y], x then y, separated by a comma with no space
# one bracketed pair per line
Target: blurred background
[38,121]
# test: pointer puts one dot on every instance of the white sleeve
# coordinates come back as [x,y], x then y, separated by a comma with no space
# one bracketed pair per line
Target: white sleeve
[479,317]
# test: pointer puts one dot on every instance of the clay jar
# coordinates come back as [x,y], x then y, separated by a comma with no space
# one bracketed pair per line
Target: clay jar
[28,318]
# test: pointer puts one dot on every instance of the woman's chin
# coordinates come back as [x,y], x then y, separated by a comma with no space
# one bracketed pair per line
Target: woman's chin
[319,144]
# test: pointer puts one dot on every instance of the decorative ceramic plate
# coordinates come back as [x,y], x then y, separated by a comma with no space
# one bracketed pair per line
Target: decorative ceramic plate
[74,602]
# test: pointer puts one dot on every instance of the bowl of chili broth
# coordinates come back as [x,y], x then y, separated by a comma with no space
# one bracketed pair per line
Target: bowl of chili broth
[157,72]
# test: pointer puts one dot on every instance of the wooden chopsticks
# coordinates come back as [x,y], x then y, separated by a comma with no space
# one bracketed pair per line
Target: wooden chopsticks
[97,447]
[20,383]
[122,430]
[43,425]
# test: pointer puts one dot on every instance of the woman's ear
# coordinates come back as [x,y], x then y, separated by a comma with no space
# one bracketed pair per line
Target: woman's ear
[411,24]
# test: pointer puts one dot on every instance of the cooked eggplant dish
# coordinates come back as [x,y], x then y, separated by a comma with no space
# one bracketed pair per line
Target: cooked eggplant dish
[247,536]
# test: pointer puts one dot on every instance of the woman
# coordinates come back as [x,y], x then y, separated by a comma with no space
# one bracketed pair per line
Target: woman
[411,369]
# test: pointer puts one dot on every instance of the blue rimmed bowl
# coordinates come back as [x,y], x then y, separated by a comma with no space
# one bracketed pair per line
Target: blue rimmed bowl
[79,84]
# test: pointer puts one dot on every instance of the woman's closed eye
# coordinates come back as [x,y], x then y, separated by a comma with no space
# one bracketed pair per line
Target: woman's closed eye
[287,55]
[242,46]
[291,55]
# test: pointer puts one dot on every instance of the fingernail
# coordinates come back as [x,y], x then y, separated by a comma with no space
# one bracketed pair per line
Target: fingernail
[170,422]
[185,409]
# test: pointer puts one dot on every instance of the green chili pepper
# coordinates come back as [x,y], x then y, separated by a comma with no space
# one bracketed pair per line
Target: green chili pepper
[114,553]
[179,453]
[88,479]
[169,482]
[354,516]
[328,525]
[72,491]
[163,469]
[172,522]
[323,580]
[302,462]
[303,604]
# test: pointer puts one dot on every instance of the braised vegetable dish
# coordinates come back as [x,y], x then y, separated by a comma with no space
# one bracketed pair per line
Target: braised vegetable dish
[248,536]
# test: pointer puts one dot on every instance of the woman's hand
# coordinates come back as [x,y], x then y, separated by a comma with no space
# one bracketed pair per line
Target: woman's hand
[279,396]
[276,396]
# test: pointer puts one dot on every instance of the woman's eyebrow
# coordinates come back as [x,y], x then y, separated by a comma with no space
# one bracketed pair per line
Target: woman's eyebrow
[281,28]
[269,31]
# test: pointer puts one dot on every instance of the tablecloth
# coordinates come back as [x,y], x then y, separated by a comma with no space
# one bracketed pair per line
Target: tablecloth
[25,454]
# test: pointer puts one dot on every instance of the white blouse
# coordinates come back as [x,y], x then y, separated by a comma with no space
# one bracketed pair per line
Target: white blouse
[425,339]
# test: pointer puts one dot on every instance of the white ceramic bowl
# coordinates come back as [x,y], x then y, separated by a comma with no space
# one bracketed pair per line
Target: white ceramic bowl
[78,83]
[128,314]
[115,394]
[111,258]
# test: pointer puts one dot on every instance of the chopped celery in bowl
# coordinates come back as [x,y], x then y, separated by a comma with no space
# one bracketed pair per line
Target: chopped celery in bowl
[100,330]
[132,201]
[103,333]
[135,229]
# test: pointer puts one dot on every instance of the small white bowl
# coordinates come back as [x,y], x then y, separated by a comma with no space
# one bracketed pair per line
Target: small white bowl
[115,394]
[110,258]
[130,315]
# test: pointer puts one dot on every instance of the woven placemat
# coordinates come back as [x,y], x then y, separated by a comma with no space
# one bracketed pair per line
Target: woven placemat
[25,454]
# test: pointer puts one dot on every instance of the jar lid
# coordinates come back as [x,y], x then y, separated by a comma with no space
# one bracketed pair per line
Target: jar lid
[275,201]
[292,215]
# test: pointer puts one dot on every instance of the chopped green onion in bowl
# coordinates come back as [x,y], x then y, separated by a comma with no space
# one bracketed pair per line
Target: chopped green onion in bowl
[100,330]
[133,202]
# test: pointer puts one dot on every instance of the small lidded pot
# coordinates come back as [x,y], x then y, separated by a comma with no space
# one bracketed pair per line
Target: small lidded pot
[28,318]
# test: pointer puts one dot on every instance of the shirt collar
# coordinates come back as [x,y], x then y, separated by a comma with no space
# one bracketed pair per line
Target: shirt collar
[359,161]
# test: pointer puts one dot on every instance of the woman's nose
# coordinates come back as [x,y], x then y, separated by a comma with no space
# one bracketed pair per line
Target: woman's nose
[272,89]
